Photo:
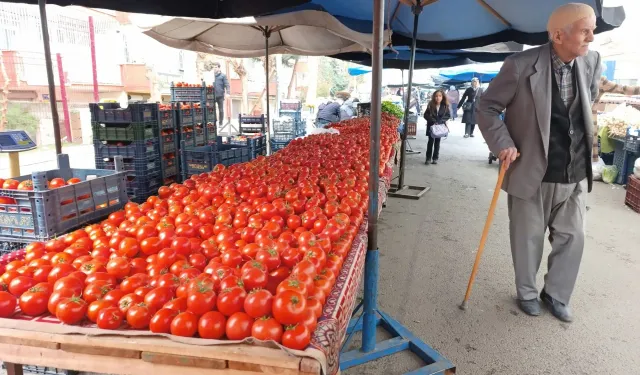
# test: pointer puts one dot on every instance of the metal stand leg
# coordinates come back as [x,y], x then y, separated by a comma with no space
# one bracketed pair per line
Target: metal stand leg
[409,149]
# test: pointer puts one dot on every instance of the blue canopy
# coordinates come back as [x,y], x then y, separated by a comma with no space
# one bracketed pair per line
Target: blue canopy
[457,24]
[466,73]
[358,70]
[398,57]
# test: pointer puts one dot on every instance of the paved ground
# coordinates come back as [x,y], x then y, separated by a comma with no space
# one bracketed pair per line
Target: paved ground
[427,250]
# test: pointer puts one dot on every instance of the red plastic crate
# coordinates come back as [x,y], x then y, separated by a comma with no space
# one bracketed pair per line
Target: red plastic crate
[633,193]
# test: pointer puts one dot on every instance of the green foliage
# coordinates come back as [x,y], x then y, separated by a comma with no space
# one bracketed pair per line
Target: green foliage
[392,109]
[332,77]
[19,118]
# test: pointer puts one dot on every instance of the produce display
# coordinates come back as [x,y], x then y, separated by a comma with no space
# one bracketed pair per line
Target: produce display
[250,250]
[620,120]
[27,185]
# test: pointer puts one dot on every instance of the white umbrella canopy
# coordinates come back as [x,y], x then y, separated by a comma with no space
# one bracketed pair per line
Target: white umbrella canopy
[304,32]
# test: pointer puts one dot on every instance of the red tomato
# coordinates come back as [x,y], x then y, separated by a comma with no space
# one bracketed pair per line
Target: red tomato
[231,300]
[184,324]
[110,318]
[201,301]
[71,310]
[239,326]
[130,284]
[56,297]
[212,325]
[96,306]
[21,284]
[139,316]
[258,303]
[289,307]
[161,321]
[127,301]
[8,304]
[296,337]
[76,286]
[34,301]
[156,298]
[267,328]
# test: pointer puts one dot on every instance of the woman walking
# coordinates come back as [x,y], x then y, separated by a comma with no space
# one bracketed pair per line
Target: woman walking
[437,113]
[468,104]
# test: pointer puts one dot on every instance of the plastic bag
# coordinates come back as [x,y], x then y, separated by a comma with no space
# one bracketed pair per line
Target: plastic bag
[636,168]
[609,174]
[597,168]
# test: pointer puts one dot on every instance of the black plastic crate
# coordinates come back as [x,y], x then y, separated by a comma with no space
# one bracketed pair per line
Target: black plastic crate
[210,94]
[632,143]
[169,167]
[135,131]
[135,149]
[142,187]
[188,137]
[276,145]
[166,118]
[113,113]
[295,115]
[211,133]
[210,114]
[198,115]
[138,166]
[40,370]
[185,117]
[187,94]
[289,127]
[251,142]
[196,160]
[168,143]
[286,137]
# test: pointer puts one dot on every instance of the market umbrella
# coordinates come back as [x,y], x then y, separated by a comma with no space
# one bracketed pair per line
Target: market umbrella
[302,31]
[484,72]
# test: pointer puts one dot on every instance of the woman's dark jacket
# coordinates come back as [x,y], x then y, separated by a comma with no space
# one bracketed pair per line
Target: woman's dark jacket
[440,117]
[469,96]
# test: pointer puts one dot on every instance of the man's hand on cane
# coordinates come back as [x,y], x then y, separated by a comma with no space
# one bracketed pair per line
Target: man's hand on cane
[507,156]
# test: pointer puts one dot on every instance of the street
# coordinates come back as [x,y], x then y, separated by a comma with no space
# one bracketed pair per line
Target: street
[428,248]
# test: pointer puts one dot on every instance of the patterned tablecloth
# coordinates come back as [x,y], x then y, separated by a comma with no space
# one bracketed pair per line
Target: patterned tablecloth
[326,341]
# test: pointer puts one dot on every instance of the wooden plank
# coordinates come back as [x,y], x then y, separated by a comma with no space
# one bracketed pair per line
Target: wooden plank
[13,368]
[29,342]
[261,369]
[240,353]
[99,364]
[310,365]
[183,360]
[92,350]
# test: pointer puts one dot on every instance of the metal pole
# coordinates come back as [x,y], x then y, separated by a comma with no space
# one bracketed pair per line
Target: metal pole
[267,34]
[52,83]
[94,66]
[417,9]
[371,261]
[63,97]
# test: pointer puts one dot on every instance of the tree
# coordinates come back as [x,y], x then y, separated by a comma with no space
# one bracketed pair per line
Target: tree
[19,118]
[291,61]
[332,77]
[272,75]
[238,67]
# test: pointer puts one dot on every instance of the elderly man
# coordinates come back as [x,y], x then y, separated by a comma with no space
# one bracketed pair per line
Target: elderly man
[547,93]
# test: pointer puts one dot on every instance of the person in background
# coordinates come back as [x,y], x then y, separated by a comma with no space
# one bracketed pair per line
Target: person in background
[328,114]
[438,112]
[453,95]
[468,104]
[221,90]
[545,143]
[347,109]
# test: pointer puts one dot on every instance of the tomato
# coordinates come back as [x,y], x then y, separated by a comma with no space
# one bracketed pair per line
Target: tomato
[254,278]
[73,181]
[309,320]
[258,303]
[139,316]
[156,298]
[184,324]
[58,271]
[129,300]
[231,300]
[34,301]
[212,325]
[178,304]
[269,257]
[169,280]
[296,337]
[118,267]
[201,300]
[95,307]
[21,284]
[289,307]
[130,284]
[314,305]
[8,304]
[161,321]
[150,245]
[128,247]
[110,318]
[57,183]
[293,284]
[71,310]
[267,328]
[76,286]
[305,266]
[10,184]
[55,298]
[239,326]
[114,296]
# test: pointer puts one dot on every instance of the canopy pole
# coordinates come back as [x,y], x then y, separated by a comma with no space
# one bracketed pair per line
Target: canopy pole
[401,190]
[417,9]
[52,83]
[267,34]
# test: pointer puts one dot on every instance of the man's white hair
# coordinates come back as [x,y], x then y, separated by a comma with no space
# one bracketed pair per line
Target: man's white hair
[566,15]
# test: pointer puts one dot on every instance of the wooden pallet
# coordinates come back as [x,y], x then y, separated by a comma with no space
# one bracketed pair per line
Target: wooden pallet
[141,355]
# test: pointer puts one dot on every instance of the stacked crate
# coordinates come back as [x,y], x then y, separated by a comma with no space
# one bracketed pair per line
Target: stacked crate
[257,144]
[289,126]
[168,144]
[252,124]
[132,133]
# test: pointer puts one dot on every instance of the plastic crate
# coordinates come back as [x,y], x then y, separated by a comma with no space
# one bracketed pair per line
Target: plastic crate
[624,161]
[40,370]
[166,119]
[196,160]
[168,143]
[188,137]
[632,143]
[277,137]
[169,167]
[291,105]
[294,115]
[198,115]
[187,94]
[136,131]
[133,166]
[210,114]
[632,198]
[211,133]
[210,94]
[200,136]
[276,145]
[289,127]
[135,149]
[252,124]
[142,187]
[112,112]
[251,142]
[42,214]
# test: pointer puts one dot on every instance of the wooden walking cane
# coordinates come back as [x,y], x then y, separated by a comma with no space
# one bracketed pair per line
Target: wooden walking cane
[485,234]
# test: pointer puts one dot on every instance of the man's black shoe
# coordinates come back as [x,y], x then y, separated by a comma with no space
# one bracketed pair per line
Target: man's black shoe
[557,308]
[529,306]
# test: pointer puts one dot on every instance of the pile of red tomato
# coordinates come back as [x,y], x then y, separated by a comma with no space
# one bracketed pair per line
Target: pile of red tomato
[27,185]
[249,250]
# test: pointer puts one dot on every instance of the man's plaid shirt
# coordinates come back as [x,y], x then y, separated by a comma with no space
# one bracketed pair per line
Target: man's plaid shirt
[564,78]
